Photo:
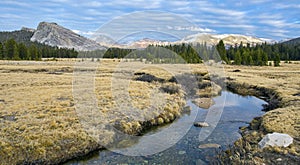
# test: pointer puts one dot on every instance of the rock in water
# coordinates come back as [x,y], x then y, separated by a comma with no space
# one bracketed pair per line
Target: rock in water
[209,145]
[276,139]
[201,124]
[203,102]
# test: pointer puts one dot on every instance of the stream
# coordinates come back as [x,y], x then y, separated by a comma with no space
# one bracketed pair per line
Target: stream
[198,145]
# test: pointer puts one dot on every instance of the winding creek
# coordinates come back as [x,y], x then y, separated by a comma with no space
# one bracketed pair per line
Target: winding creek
[238,111]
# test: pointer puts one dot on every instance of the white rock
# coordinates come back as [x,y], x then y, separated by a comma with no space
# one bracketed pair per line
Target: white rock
[201,124]
[276,139]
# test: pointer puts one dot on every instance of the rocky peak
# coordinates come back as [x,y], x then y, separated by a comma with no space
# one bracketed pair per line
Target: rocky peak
[55,35]
[28,29]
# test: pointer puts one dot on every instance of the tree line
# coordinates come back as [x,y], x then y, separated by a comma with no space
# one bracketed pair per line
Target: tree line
[260,54]
[158,54]
[12,50]
[240,54]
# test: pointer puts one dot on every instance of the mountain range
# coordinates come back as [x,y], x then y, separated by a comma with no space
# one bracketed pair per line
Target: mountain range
[55,35]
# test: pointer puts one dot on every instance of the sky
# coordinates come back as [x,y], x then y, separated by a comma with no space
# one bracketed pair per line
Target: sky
[271,19]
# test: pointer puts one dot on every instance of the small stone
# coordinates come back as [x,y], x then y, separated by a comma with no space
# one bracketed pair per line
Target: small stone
[181,152]
[209,145]
[279,159]
[201,124]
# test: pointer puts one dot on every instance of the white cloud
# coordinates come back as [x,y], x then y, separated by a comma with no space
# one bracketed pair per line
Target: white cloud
[179,3]
[22,4]
[275,23]
[92,3]
[286,6]
[213,9]
[279,23]
[84,33]
[258,1]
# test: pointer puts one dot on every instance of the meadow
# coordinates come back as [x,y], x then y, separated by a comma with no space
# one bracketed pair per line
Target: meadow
[40,122]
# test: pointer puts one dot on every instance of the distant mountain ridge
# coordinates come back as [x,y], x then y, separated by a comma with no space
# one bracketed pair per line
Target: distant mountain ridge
[18,35]
[294,41]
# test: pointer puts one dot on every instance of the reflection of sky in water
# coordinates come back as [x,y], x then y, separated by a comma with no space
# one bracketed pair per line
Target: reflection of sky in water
[238,110]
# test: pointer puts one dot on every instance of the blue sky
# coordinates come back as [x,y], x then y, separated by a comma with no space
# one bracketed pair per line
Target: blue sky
[274,19]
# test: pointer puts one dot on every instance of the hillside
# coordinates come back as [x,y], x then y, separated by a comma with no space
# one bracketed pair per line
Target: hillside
[295,41]
[18,35]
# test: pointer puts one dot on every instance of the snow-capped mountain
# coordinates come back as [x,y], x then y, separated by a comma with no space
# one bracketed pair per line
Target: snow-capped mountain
[228,39]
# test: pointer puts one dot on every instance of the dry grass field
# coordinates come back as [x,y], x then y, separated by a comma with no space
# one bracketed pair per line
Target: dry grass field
[39,122]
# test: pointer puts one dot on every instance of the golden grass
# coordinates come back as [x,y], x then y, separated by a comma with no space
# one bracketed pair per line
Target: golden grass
[38,119]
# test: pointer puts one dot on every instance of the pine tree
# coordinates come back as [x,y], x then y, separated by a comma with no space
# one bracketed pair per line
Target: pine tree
[222,51]
[264,58]
[33,52]
[16,53]
[250,60]
[22,49]
[244,57]
[277,60]
[10,47]
[1,51]
[237,58]
[230,53]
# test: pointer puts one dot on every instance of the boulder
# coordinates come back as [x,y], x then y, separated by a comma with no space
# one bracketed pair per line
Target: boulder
[201,124]
[276,139]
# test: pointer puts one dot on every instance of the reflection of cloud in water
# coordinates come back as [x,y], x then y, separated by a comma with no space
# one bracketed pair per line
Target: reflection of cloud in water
[235,100]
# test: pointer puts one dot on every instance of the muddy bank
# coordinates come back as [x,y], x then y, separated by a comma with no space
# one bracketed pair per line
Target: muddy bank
[269,95]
